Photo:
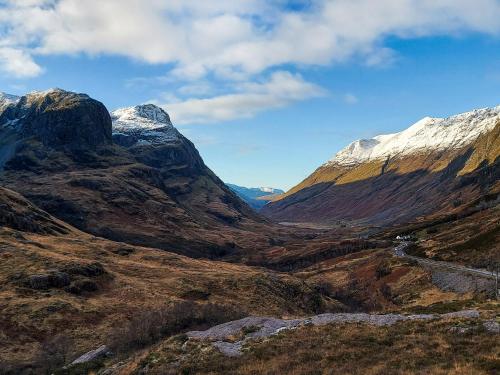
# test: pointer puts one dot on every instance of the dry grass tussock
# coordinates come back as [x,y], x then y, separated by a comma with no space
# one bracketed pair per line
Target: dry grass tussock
[405,348]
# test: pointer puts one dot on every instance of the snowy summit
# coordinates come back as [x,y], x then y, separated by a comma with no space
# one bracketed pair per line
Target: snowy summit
[428,134]
[148,123]
[7,99]
[270,190]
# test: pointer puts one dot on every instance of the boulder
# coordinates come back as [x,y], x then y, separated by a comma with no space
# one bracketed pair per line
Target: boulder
[39,282]
[54,279]
[92,355]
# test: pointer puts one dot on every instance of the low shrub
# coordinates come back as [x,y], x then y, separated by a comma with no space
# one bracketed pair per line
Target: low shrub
[383,269]
[89,270]
[53,354]
[149,326]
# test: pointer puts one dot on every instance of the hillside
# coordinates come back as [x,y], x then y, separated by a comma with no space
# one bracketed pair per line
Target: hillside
[135,179]
[64,292]
[60,286]
[436,165]
[428,347]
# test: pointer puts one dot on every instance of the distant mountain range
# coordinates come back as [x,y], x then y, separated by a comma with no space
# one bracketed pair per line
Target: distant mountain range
[434,166]
[255,197]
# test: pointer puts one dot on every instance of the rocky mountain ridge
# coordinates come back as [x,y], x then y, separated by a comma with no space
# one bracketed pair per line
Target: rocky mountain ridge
[138,185]
[45,115]
[428,134]
[436,165]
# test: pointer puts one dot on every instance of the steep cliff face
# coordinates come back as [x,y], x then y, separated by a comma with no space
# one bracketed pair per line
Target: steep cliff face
[145,187]
[435,165]
[59,119]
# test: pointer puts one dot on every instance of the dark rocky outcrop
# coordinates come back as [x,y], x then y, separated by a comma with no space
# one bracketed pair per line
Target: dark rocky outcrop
[61,119]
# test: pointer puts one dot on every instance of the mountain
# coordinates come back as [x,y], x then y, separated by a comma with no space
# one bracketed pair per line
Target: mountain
[436,165]
[129,176]
[255,197]
[7,99]
[21,215]
[93,206]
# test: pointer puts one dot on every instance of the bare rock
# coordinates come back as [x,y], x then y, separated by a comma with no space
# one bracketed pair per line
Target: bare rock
[492,326]
[466,314]
[92,355]
[230,349]
[254,327]
[61,119]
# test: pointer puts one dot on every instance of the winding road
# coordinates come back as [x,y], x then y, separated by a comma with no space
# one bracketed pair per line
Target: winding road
[399,251]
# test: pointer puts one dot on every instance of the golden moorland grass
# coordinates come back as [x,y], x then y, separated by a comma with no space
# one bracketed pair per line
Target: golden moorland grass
[134,279]
[404,348]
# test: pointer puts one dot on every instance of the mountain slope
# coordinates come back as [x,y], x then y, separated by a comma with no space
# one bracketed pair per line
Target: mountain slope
[21,215]
[435,165]
[61,285]
[129,181]
[255,197]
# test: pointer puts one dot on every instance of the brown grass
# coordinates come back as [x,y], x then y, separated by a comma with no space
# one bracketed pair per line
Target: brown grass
[138,280]
[407,348]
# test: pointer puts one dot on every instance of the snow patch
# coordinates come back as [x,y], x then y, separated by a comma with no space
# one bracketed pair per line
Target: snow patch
[269,190]
[148,123]
[7,100]
[428,134]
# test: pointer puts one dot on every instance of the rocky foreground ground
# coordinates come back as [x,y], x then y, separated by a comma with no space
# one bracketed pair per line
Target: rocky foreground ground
[254,327]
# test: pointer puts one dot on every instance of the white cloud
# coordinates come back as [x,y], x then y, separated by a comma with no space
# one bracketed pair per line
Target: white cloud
[18,63]
[281,89]
[231,43]
[235,38]
[196,88]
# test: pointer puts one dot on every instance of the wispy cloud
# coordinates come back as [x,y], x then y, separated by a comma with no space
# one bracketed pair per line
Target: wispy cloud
[281,89]
[350,99]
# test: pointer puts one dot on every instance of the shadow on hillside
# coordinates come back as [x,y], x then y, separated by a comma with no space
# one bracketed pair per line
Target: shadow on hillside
[390,197]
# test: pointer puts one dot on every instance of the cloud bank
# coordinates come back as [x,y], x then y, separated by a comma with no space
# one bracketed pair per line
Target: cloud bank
[234,41]
[280,90]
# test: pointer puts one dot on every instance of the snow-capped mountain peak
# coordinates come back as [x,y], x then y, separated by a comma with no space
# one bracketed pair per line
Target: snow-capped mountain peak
[428,134]
[269,190]
[7,99]
[141,116]
[148,123]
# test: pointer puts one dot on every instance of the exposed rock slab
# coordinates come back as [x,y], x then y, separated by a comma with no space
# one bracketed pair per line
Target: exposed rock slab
[254,327]
[92,355]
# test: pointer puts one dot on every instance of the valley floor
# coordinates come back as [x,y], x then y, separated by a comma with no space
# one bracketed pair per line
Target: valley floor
[64,292]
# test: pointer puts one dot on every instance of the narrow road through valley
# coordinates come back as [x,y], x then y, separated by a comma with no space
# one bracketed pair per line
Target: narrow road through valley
[400,252]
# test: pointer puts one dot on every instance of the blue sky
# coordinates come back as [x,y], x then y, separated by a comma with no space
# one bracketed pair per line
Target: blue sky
[267,91]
